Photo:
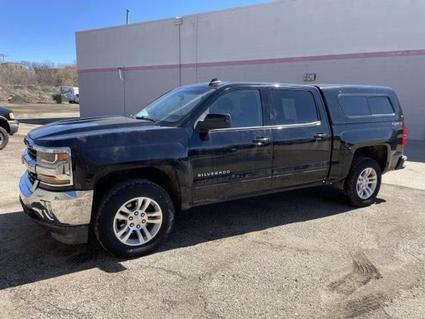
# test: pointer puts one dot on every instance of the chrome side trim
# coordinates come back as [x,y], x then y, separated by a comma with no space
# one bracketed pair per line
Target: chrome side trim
[60,208]
[278,127]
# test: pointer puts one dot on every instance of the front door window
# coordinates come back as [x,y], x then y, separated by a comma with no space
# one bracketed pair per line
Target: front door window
[243,107]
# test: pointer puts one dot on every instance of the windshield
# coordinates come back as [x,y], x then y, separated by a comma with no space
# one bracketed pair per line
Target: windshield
[174,105]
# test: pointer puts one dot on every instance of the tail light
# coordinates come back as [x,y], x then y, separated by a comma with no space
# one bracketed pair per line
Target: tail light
[404,136]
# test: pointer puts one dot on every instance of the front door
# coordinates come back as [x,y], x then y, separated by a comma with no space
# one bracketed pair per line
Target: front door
[301,137]
[236,161]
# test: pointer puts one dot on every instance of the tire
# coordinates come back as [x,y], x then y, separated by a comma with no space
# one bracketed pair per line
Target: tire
[363,165]
[112,217]
[4,138]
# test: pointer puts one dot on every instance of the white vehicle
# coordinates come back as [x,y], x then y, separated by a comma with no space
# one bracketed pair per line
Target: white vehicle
[72,93]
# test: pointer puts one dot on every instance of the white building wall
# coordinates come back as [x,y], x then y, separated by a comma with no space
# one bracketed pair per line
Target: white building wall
[367,42]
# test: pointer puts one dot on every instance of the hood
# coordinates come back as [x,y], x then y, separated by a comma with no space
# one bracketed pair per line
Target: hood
[106,141]
[69,129]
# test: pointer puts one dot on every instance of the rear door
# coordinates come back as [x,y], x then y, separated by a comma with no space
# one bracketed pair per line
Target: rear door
[235,161]
[301,137]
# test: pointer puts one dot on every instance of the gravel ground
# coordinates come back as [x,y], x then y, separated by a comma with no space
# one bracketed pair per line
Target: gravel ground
[300,254]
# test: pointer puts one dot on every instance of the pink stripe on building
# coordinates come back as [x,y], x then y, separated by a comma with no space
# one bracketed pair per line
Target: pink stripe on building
[328,57]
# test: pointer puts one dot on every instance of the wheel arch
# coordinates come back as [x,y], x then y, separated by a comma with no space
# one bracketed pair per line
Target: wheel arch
[163,176]
[4,124]
[379,153]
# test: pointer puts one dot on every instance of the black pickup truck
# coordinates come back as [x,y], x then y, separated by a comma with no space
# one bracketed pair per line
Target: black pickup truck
[122,178]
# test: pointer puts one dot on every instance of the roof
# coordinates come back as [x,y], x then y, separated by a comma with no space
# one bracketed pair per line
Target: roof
[204,13]
[221,84]
[355,89]
[348,88]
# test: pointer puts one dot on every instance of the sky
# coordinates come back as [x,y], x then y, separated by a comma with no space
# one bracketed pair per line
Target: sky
[44,30]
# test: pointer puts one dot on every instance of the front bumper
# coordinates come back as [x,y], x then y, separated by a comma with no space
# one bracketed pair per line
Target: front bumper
[66,214]
[14,126]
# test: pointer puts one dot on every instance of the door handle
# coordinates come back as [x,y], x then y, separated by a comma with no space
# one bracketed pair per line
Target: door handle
[320,136]
[261,141]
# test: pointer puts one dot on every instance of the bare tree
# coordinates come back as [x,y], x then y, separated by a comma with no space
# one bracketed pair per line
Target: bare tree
[67,75]
[45,73]
[16,74]
[30,73]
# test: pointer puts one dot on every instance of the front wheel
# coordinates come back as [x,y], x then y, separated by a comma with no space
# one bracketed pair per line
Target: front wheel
[4,138]
[134,218]
[364,181]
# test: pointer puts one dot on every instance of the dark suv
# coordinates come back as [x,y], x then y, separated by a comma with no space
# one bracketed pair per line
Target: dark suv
[124,177]
[8,126]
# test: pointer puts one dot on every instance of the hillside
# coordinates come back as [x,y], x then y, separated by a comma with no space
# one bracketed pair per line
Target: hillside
[34,82]
[28,93]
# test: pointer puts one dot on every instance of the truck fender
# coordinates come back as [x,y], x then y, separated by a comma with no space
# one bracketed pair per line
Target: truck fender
[5,124]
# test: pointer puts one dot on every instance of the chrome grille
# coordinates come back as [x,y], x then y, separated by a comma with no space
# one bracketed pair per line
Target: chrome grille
[32,177]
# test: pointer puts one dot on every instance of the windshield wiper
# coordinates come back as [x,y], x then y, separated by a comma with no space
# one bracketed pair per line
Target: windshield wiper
[145,118]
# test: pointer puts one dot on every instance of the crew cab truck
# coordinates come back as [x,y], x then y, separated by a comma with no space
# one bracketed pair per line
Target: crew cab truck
[123,178]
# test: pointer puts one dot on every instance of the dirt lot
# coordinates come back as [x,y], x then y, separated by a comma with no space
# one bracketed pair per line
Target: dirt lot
[301,254]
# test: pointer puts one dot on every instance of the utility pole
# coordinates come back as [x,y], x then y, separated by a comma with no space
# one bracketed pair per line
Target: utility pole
[127,16]
[179,22]
[2,56]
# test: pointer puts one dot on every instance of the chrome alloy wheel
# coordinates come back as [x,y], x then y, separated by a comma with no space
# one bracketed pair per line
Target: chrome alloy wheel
[366,183]
[137,221]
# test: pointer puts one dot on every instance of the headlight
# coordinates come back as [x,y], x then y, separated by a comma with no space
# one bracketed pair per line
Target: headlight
[52,157]
[53,167]
[11,116]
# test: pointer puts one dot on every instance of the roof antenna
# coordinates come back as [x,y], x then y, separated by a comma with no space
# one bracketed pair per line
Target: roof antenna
[215,82]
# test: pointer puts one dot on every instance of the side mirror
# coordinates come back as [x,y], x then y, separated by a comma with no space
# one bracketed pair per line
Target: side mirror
[213,121]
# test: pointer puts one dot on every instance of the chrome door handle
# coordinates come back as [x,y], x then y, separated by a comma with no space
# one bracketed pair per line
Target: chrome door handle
[320,136]
[261,141]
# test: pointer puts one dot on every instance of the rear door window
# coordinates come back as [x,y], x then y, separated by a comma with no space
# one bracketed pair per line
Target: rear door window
[292,107]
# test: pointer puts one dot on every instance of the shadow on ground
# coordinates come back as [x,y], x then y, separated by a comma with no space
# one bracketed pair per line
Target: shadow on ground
[28,254]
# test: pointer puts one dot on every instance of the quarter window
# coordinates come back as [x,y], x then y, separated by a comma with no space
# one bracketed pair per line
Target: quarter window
[363,105]
[380,105]
[243,106]
[354,105]
[292,107]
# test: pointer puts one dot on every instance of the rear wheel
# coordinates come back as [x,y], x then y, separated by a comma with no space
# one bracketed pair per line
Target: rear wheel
[364,181]
[134,218]
[4,138]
